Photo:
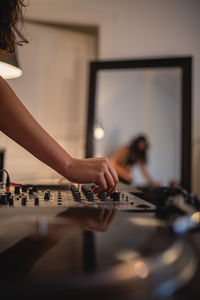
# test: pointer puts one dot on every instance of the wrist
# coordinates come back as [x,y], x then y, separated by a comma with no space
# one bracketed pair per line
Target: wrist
[67,166]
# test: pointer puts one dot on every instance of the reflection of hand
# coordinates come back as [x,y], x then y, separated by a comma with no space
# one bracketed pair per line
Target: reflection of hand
[94,170]
[97,219]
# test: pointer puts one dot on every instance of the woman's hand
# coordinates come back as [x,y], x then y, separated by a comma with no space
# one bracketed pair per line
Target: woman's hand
[93,170]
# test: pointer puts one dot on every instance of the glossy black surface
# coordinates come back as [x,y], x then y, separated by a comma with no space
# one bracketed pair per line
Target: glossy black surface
[94,252]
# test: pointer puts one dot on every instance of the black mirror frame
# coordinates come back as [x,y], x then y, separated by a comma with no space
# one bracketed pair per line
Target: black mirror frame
[185,63]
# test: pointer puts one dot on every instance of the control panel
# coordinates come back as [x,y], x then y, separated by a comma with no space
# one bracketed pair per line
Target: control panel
[70,195]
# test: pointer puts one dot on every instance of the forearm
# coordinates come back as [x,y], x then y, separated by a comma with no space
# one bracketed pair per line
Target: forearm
[17,123]
[146,173]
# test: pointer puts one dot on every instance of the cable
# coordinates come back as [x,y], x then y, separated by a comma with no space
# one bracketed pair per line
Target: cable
[7,179]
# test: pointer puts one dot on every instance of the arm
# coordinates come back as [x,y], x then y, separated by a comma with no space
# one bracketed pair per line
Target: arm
[147,175]
[17,123]
[118,162]
[145,172]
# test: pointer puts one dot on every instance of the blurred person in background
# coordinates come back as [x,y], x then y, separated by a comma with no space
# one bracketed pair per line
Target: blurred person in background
[127,156]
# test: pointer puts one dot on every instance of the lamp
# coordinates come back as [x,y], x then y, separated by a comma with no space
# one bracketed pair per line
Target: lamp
[9,66]
[99,133]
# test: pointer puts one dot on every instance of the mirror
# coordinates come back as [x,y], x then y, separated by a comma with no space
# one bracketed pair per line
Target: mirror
[150,98]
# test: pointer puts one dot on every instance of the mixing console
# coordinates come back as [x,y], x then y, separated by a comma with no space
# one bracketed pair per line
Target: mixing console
[63,196]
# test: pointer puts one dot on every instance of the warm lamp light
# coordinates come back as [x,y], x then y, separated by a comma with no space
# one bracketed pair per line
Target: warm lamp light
[98,132]
[9,66]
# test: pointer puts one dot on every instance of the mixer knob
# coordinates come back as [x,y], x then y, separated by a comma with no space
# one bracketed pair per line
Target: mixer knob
[4,199]
[30,191]
[36,201]
[24,200]
[115,196]
[17,190]
[10,201]
[103,196]
[24,188]
[90,196]
[46,196]
[35,188]
[77,196]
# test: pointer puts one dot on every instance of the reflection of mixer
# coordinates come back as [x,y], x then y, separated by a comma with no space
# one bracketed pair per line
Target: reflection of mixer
[56,196]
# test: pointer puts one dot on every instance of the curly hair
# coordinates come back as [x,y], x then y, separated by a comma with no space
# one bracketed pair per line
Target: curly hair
[11,12]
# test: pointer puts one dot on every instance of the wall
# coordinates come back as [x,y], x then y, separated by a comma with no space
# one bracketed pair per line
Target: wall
[54,88]
[138,28]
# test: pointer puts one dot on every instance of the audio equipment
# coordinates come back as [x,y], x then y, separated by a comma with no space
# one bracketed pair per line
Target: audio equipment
[59,197]
[73,242]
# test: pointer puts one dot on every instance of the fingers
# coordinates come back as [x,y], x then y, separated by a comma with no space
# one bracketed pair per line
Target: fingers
[114,176]
[114,212]
[110,182]
[108,215]
[108,179]
[101,182]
